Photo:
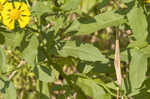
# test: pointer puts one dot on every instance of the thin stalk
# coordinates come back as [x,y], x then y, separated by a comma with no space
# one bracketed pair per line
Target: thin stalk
[117,64]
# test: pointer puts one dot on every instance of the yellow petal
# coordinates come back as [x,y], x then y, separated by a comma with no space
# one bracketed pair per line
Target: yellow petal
[24,9]
[23,21]
[5,14]
[25,12]
[11,25]
[7,7]
[24,6]
[2,1]
[17,5]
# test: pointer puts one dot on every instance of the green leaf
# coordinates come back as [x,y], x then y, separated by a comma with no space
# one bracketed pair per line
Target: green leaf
[71,5]
[87,6]
[46,74]
[138,69]
[90,88]
[3,65]
[2,83]
[142,95]
[90,25]
[13,39]
[85,52]
[41,7]
[138,23]
[102,3]
[96,67]
[112,85]
[30,53]
[9,91]
[146,51]
[42,90]
[126,1]
[123,56]
[137,44]
[87,68]
[2,39]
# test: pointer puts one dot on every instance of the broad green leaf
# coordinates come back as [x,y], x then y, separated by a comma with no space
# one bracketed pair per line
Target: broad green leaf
[138,23]
[30,53]
[90,88]
[71,5]
[137,69]
[90,25]
[45,74]
[85,52]
[9,91]
[3,65]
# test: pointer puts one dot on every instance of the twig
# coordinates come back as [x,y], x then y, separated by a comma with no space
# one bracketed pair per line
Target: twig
[117,65]
[94,37]
[14,72]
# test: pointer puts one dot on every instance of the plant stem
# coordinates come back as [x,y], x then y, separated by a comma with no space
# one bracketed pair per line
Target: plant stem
[117,64]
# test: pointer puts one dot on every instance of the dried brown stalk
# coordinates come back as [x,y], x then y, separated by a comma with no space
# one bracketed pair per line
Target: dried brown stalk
[94,37]
[117,64]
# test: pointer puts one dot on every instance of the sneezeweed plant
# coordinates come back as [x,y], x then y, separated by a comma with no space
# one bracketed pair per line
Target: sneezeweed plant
[63,52]
[15,12]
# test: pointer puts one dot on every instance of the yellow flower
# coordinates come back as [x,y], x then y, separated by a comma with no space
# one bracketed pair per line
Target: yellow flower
[19,12]
[147,1]
[2,4]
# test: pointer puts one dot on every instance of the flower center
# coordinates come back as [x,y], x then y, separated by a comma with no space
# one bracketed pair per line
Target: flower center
[15,14]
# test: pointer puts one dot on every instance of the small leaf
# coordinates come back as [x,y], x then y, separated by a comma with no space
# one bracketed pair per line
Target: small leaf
[3,65]
[138,69]
[138,23]
[9,91]
[90,88]
[137,44]
[13,40]
[42,90]
[46,75]
[31,51]
[87,6]
[146,51]
[71,5]
[1,84]
[41,7]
